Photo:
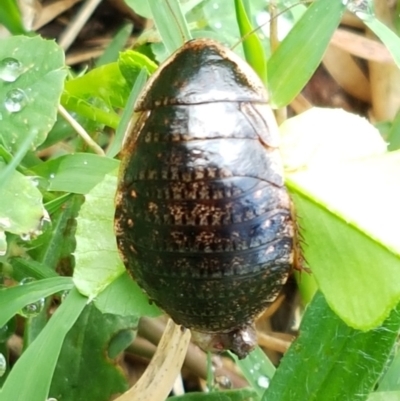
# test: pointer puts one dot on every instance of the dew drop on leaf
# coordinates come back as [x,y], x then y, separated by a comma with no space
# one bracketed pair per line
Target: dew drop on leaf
[10,69]
[26,237]
[223,382]
[3,333]
[64,295]
[263,382]
[3,365]
[16,100]
[33,309]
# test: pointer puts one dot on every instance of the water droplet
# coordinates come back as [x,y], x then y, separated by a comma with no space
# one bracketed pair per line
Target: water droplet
[52,175]
[257,366]
[215,6]
[26,237]
[263,382]
[3,243]
[3,365]
[3,333]
[10,69]
[64,295]
[85,162]
[44,224]
[51,399]
[16,100]
[33,309]
[218,25]
[34,181]
[223,382]
[5,222]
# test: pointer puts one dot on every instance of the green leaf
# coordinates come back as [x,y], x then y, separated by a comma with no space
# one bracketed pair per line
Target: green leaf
[170,22]
[117,44]
[300,53]
[389,38]
[127,115]
[36,365]
[21,208]
[124,297]
[105,82]
[76,173]
[55,246]
[10,17]
[385,396]
[84,370]
[346,240]
[89,111]
[131,63]
[96,255]
[390,380]
[140,7]
[331,361]
[253,48]
[340,177]
[30,88]
[31,268]
[13,299]
[393,136]
[243,394]
[257,369]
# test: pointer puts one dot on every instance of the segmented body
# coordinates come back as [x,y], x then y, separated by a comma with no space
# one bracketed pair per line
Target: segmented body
[203,218]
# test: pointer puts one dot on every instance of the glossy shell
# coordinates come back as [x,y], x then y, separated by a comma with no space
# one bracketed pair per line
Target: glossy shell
[203,219]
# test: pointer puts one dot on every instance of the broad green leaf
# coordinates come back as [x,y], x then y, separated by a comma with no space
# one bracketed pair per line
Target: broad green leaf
[31,83]
[124,297]
[344,259]
[350,235]
[252,45]
[13,299]
[55,246]
[96,255]
[36,365]
[87,110]
[131,63]
[298,56]
[322,137]
[76,173]
[345,190]
[105,82]
[243,394]
[257,369]
[10,17]
[21,208]
[385,396]
[331,361]
[84,370]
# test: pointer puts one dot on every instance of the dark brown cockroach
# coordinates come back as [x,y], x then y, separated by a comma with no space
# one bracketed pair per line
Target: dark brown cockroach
[203,219]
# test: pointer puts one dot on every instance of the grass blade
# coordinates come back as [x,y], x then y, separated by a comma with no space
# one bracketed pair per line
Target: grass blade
[343,365]
[298,56]
[36,365]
